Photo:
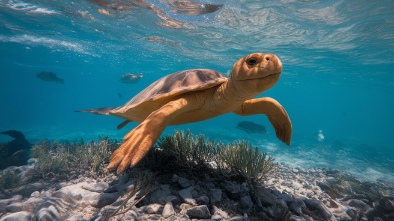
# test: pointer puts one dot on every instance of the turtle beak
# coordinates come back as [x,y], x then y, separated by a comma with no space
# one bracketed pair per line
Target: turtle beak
[279,66]
[272,64]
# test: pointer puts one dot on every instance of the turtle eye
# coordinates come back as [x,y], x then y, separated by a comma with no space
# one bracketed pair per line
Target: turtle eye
[251,61]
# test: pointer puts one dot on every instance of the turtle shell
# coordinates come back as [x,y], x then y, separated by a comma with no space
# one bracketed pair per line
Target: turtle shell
[168,87]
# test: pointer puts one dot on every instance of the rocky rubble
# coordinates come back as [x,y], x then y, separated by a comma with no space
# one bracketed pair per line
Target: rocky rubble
[295,194]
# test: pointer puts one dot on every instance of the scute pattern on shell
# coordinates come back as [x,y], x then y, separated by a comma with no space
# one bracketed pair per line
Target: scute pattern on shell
[177,83]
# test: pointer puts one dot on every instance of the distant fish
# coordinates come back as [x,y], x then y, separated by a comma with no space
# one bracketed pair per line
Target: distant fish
[250,127]
[49,76]
[130,78]
[119,95]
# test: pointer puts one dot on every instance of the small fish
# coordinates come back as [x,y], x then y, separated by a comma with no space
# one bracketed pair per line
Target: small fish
[119,95]
[49,76]
[250,127]
[130,78]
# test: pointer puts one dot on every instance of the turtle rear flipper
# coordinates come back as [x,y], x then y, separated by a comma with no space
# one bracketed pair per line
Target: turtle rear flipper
[101,110]
[121,125]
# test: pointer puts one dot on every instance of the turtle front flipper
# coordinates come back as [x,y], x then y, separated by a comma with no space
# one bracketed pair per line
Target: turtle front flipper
[275,112]
[139,140]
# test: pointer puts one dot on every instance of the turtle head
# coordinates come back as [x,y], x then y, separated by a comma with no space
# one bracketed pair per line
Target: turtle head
[257,72]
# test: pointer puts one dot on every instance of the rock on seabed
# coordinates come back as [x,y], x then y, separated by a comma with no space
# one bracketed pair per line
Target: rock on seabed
[295,194]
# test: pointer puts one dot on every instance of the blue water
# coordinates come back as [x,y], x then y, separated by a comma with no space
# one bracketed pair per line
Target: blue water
[338,59]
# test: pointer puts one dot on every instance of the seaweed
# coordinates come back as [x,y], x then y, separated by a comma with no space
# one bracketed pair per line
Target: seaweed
[181,151]
[188,151]
[57,159]
[248,162]
[196,153]
[9,179]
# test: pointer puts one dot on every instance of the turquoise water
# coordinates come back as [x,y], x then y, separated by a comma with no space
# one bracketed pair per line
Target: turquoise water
[338,63]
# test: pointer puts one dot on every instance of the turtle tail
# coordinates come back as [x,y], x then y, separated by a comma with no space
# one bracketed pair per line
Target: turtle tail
[101,111]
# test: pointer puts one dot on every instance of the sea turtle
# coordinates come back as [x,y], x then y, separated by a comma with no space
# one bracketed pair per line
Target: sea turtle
[196,95]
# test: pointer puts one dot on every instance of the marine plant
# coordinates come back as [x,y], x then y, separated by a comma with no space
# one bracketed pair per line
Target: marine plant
[56,159]
[189,151]
[248,161]
[9,179]
[53,158]
[196,152]
[183,150]
[96,154]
